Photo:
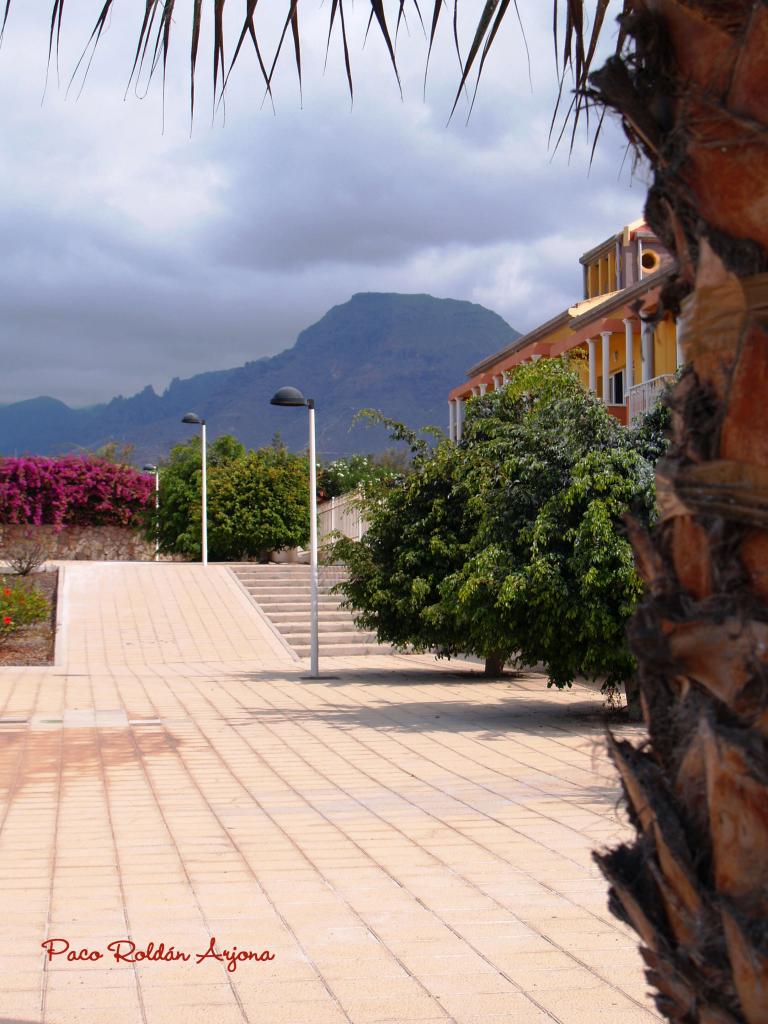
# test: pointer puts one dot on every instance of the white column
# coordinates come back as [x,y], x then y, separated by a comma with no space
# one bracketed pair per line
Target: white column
[459,418]
[592,365]
[451,419]
[606,354]
[680,357]
[629,342]
[483,388]
[647,349]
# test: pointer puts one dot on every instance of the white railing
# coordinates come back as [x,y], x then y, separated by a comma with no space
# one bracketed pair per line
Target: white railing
[643,397]
[340,514]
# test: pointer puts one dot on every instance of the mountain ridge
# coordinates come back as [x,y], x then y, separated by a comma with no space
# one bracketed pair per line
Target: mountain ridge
[400,353]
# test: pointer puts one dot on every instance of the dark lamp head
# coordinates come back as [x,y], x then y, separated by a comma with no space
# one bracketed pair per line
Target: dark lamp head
[288,396]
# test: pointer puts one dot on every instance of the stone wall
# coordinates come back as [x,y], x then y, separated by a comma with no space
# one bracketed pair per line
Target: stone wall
[89,543]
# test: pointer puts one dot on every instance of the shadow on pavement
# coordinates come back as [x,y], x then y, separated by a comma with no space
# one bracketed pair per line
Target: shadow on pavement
[559,714]
[79,752]
[399,674]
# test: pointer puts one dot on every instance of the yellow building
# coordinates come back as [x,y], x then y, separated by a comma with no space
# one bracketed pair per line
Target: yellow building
[629,350]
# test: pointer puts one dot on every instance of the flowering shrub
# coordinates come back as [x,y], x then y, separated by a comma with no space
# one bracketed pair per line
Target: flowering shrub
[20,606]
[342,476]
[73,490]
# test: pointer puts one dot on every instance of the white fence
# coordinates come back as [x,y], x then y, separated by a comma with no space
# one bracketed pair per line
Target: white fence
[643,397]
[342,514]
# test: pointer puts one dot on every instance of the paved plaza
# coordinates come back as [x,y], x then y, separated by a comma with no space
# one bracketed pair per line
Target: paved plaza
[402,842]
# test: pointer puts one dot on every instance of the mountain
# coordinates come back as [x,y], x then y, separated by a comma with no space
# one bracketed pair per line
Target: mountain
[397,353]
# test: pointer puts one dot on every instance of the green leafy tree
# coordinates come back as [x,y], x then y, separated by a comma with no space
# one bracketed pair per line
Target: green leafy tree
[509,545]
[258,501]
[178,521]
[416,538]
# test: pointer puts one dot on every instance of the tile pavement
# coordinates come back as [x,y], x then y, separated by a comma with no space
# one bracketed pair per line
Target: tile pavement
[409,842]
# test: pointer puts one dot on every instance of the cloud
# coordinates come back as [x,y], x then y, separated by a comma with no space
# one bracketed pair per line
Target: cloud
[134,252]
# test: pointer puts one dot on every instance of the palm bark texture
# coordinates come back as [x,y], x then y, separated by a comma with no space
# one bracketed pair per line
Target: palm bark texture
[692,89]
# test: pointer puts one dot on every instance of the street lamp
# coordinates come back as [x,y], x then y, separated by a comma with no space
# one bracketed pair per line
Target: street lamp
[292,397]
[156,470]
[192,417]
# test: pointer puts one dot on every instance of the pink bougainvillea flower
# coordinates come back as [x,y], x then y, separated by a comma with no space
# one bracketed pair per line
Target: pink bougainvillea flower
[72,491]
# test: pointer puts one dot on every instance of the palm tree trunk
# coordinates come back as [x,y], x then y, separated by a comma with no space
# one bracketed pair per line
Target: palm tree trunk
[693,93]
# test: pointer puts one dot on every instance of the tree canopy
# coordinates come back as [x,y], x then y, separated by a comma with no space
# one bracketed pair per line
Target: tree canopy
[509,544]
[258,501]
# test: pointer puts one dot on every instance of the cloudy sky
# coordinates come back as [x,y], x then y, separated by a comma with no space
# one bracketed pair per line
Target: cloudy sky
[135,250]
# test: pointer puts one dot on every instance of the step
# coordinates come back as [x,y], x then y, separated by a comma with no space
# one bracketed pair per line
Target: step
[263,587]
[330,638]
[283,593]
[258,581]
[278,597]
[254,577]
[302,614]
[275,573]
[291,629]
[344,650]
[280,607]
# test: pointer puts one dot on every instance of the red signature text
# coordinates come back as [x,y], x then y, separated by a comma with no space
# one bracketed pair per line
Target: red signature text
[128,952]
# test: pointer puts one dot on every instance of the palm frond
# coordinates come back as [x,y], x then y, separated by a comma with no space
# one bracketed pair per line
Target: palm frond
[574,57]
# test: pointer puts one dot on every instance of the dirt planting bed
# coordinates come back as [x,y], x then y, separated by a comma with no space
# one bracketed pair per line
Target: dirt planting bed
[35,644]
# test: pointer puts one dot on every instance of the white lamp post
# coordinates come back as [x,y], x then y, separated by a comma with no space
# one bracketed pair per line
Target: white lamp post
[293,397]
[156,470]
[192,417]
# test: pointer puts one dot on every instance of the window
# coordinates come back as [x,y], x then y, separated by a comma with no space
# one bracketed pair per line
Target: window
[649,260]
[616,388]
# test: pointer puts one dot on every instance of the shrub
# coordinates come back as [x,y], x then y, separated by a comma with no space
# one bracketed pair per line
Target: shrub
[342,476]
[510,545]
[25,554]
[258,501]
[73,490]
[20,606]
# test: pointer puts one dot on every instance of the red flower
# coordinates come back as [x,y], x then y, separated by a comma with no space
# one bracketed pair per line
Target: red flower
[7,592]
[7,621]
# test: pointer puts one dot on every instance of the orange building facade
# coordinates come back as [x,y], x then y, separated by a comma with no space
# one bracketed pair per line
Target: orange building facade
[627,351]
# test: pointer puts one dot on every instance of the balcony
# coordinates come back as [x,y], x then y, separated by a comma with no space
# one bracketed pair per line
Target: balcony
[340,515]
[641,398]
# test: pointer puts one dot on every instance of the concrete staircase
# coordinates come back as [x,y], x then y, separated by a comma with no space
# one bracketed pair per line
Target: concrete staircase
[283,593]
